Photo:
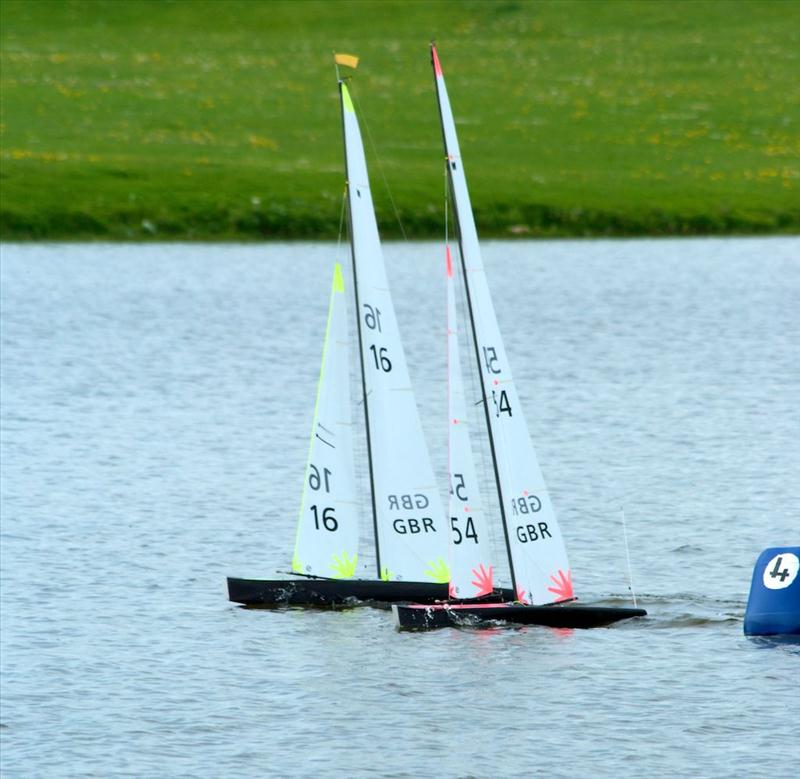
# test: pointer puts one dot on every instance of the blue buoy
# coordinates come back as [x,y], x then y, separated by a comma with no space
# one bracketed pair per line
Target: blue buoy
[773,608]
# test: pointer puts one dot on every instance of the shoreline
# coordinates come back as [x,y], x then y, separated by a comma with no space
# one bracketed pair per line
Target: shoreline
[130,228]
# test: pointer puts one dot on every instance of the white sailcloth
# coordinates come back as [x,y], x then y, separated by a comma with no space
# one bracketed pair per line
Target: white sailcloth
[538,557]
[412,537]
[327,531]
[471,569]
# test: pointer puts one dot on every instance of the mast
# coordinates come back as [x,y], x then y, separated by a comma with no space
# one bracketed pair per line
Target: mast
[538,558]
[340,82]
[484,399]
[471,557]
[409,518]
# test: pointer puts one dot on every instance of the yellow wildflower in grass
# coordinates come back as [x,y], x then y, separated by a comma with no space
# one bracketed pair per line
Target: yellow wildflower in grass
[260,142]
[199,137]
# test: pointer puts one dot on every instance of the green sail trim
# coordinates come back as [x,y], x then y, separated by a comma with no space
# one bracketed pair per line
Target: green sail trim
[438,570]
[338,279]
[344,566]
[346,101]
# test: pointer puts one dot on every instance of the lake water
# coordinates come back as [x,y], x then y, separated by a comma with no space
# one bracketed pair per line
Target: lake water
[156,402]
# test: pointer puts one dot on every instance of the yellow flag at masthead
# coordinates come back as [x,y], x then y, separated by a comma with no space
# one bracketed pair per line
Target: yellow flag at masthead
[348,60]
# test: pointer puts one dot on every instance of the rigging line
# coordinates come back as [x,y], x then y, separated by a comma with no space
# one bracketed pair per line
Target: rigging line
[380,165]
[627,553]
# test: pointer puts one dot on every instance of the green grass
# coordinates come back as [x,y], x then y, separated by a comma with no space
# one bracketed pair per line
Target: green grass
[199,119]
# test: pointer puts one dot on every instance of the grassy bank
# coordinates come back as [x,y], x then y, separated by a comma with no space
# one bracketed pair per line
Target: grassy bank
[220,119]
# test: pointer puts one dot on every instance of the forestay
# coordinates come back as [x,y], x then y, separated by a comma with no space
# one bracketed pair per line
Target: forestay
[471,569]
[412,539]
[327,531]
[540,567]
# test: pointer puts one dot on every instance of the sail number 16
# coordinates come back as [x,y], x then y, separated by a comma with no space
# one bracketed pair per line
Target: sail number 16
[382,361]
[325,518]
[372,317]
[317,480]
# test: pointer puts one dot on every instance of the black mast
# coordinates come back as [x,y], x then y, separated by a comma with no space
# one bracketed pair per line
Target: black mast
[360,349]
[448,163]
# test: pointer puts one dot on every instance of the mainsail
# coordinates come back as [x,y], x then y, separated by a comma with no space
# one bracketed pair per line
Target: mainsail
[411,538]
[327,531]
[539,565]
[471,570]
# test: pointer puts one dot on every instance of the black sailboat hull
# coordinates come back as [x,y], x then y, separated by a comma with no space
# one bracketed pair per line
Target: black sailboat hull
[330,592]
[421,617]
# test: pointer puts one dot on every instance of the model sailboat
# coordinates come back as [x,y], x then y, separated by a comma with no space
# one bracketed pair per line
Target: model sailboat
[540,573]
[409,528]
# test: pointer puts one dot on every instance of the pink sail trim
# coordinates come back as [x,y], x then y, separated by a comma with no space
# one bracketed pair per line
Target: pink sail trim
[449,263]
[521,596]
[437,68]
[483,581]
[563,586]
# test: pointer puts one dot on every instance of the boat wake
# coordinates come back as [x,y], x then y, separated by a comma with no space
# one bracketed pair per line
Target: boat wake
[689,610]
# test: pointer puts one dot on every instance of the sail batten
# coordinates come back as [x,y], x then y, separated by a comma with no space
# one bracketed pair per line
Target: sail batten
[411,537]
[537,556]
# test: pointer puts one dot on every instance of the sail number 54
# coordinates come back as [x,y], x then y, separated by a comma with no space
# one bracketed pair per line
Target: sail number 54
[501,404]
[468,532]
[490,358]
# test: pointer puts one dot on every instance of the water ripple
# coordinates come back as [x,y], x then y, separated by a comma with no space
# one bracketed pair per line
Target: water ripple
[155,407]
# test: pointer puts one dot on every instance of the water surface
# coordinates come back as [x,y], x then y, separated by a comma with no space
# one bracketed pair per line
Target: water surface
[156,402]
